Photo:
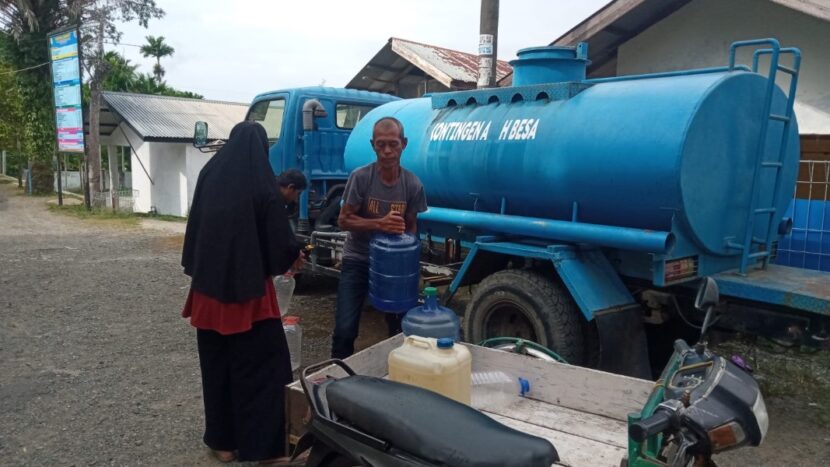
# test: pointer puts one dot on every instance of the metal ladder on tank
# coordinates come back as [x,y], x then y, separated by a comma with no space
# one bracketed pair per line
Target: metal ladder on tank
[768,212]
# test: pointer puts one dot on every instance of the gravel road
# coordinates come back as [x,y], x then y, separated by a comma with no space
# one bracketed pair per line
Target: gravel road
[98,368]
[96,365]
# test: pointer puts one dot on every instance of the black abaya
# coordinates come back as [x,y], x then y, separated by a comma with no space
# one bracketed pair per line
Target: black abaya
[237,230]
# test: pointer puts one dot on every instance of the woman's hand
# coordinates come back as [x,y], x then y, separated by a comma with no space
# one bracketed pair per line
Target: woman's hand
[298,263]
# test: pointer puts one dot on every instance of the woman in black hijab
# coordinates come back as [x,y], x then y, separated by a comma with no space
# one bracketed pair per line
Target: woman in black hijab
[238,237]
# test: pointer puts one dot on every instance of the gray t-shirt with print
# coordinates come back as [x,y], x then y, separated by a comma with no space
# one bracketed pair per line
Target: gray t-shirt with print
[376,199]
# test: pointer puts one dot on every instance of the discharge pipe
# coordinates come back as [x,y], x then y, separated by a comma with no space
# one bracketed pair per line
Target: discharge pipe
[623,238]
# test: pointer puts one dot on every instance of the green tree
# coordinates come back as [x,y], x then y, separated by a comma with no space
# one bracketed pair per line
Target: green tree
[28,22]
[121,75]
[156,47]
[23,26]
[145,83]
[11,118]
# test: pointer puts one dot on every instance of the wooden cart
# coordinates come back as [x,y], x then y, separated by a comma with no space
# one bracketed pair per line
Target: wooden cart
[581,411]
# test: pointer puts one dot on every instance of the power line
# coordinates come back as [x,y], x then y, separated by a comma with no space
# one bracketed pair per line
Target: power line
[123,43]
[24,69]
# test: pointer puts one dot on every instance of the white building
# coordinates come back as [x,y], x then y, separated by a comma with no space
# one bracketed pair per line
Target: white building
[643,36]
[158,132]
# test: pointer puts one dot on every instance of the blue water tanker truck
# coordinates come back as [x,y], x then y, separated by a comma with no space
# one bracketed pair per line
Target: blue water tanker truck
[585,210]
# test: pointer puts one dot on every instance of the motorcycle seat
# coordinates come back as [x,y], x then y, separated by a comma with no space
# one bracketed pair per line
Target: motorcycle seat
[433,427]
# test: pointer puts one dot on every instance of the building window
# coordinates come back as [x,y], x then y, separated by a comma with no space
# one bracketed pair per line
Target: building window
[349,114]
[269,114]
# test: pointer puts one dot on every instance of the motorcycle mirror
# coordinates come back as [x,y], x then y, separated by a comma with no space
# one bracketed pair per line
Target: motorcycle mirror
[707,294]
[707,298]
[200,134]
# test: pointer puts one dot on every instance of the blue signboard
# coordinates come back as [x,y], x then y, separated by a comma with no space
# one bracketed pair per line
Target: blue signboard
[66,86]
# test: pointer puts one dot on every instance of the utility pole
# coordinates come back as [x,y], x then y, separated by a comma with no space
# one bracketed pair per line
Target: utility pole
[488,43]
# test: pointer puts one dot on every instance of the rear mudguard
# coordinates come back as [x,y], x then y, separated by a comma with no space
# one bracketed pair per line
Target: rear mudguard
[623,345]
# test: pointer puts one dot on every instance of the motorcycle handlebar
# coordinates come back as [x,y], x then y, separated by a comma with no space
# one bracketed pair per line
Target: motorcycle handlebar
[657,423]
[680,346]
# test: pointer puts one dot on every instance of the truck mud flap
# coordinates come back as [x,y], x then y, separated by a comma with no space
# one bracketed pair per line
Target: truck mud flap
[623,345]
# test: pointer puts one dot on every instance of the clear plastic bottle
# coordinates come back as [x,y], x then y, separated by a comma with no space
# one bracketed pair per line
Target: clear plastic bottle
[294,337]
[284,285]
[491,390]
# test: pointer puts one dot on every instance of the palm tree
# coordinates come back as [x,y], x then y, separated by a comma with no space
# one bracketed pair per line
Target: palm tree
[145,83]
[16,15]
[121,74]
[156,47]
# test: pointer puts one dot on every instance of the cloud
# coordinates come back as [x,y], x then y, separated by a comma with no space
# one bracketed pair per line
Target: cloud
[235,50]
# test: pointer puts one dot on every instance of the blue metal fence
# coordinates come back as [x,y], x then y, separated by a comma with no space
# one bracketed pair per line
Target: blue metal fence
[808,245]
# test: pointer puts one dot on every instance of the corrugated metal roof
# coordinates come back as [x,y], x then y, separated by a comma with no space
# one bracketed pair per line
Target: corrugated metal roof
[452,64]
[172,118]
[403,60]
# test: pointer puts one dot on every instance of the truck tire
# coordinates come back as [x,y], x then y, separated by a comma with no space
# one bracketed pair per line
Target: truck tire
[529,305]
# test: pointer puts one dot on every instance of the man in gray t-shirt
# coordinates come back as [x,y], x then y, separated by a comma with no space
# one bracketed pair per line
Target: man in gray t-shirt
[379,197]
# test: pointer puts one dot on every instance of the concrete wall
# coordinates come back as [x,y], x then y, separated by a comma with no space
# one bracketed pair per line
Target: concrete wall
[699,34]
[195,160]
[140,162]
[72,180]
[159,173]
[169,192]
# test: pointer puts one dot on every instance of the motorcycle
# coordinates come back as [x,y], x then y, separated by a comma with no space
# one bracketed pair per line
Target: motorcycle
[703,404]
[365,421]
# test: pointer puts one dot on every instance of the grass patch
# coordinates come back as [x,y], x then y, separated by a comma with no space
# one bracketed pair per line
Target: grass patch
[21,191]
[5,181]
[798,373]
[161,217]
[101,215]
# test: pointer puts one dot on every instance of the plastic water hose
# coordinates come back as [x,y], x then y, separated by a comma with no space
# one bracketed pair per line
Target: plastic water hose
[522,346]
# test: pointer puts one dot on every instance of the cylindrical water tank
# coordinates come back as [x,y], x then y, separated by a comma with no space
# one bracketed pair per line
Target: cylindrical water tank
[394,271]
[672,154]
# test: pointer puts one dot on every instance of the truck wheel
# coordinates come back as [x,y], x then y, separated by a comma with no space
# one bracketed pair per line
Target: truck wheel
[529,305]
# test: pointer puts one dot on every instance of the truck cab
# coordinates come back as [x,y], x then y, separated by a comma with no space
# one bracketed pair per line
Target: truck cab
[307,130]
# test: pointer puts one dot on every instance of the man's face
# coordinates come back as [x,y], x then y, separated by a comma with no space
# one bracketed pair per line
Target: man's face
[388,146]
[290,194]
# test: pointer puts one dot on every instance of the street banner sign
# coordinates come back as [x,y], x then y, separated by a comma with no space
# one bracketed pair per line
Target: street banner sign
[66,87]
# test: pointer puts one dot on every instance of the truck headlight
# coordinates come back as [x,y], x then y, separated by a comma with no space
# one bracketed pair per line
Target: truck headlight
[759,409]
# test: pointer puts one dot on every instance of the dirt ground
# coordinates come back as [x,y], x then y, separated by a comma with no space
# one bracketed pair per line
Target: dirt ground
[98,368]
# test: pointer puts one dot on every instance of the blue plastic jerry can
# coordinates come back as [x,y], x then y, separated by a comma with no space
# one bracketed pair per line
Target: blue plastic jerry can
[431,319]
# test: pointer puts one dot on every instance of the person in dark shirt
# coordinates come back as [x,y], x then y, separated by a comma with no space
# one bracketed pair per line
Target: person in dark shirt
[238,237]
[379,197]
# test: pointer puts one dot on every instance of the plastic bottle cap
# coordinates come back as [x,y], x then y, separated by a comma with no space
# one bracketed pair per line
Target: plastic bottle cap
[445,343]
[524,386]
[290,320]
[430,292]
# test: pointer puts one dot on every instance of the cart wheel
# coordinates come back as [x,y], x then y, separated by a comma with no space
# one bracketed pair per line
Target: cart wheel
[528,305]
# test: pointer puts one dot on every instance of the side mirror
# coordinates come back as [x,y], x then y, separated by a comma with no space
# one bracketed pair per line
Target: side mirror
[200,134]
[707,294]
[707,298]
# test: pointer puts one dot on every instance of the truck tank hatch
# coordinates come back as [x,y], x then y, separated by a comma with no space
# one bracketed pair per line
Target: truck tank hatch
[548,91]
[551,73]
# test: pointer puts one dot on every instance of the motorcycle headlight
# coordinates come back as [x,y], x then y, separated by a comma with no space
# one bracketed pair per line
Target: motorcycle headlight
[759,409]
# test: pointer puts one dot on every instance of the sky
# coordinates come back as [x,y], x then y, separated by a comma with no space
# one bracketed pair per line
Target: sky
[233,50]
